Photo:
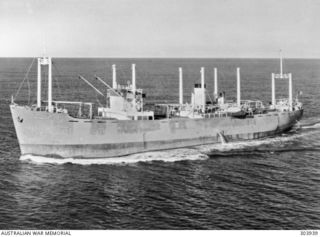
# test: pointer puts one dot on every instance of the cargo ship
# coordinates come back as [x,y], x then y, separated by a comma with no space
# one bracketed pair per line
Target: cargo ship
[126,126]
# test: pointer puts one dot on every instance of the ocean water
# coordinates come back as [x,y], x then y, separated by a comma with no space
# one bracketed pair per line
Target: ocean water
[272,183]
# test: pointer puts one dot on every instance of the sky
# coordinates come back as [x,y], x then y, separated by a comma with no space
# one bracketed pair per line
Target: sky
[160,28]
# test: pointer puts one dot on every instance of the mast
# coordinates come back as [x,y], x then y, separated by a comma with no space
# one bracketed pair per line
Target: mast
[39,84]
[238,87]
[281,66]
[203,94]
[114,77]
[180,86]
[290,91]
[215,93]
[50,108]
[134,86]
[282,75]
[273,90]
[43,61]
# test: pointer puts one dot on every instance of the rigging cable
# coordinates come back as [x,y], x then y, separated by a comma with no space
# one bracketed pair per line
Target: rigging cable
[97,99]
[209,97]
[29,90]
[56,79]
[26,76]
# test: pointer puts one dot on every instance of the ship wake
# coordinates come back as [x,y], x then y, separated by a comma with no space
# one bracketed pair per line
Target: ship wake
[272,143]
[165,156]
[314,125]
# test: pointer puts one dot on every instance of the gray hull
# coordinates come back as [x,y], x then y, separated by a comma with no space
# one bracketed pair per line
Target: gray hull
[59,135]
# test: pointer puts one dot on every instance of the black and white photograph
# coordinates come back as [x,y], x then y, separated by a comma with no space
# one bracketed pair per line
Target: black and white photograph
[159,115]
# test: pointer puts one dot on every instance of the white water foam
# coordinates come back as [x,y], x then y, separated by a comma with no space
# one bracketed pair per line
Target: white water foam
[315,125]
[166,156]
[250,143]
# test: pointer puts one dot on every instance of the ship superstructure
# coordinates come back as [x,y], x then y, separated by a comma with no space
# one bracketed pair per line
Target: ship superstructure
[123,126]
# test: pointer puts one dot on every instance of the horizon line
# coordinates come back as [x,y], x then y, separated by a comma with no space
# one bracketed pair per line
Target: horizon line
[118,57]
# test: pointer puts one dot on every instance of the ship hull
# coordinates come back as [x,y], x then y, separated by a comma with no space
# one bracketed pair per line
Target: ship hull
[59,135]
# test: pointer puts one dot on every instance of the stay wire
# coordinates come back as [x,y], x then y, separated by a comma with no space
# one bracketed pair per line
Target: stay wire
[29,90]
[26,76]
[59,75]
[97,99]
